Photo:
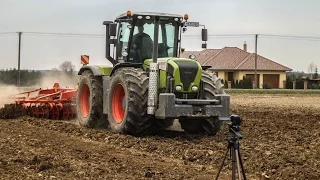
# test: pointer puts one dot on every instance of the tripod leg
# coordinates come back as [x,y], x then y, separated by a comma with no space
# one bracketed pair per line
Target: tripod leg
[233,163]
[238,164]
[244,175]
[222,163]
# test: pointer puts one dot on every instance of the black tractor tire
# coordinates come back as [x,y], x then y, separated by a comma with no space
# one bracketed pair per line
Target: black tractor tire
[211,86]
[161,124]
[89,103]
[128,102]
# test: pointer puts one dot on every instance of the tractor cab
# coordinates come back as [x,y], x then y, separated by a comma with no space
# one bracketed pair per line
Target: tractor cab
[133,36]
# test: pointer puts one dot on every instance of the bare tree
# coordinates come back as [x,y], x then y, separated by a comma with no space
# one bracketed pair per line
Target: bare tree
[54,69]
[67,66]
[312,68]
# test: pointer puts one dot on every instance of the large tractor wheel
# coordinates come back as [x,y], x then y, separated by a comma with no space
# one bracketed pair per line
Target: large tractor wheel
[127,105]
[160,124]
[89,101]
[211,85]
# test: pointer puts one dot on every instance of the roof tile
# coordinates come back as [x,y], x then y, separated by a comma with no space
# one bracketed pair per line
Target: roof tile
[233,58]
[201,56]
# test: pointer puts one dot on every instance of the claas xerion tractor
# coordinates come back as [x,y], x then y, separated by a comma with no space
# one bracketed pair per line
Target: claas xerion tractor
[149,85]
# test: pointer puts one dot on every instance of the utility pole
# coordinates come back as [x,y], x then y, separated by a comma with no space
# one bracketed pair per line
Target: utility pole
[19,53]
[255,64]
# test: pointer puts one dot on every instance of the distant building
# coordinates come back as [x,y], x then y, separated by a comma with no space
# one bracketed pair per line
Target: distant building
[232,63]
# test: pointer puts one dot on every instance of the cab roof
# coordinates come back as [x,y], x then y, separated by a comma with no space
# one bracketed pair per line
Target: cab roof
[124,15]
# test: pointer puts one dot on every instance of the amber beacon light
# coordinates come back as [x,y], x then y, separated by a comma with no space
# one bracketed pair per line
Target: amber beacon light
[128,13]
[186,17]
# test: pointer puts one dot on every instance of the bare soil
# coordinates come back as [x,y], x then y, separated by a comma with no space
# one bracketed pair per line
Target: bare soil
[281,141]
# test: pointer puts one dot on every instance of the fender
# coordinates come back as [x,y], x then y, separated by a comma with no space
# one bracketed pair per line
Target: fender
[94,69]
[126,64]
[97,70]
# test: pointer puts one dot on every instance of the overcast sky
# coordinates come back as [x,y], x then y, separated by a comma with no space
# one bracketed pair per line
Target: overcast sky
[285,17]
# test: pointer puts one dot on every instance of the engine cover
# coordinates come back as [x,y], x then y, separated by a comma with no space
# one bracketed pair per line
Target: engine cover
[185,72]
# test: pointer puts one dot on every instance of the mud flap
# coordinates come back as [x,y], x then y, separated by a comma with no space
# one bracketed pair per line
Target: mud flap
[105,84]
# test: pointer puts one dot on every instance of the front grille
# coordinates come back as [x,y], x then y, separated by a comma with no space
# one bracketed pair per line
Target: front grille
[186,95]
[188,71]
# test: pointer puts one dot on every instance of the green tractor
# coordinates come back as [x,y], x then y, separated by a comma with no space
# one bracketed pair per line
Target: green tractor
[148,85]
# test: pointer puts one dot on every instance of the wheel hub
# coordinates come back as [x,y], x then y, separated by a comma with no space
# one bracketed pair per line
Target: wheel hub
[118,103]
[85,100]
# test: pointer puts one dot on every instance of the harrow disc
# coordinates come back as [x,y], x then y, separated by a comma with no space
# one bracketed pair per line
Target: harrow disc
[35,111]
[19,110]
[41,112]
[46,113]
[56,113]
[65,113]
[71,113]
[51,113]
[29,111]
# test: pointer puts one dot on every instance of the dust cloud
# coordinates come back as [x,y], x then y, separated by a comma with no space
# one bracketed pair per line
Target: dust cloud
[6,91]
[63,78]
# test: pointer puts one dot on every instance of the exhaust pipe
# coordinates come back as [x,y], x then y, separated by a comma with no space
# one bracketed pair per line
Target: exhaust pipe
[153,74]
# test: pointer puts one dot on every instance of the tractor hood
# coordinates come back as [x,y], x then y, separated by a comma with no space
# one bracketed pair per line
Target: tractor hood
[186,72]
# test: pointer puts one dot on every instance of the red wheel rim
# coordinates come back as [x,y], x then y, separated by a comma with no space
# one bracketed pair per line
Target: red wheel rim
[117,103]
[84,100]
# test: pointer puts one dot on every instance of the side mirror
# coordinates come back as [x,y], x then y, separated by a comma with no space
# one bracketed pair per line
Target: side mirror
[204,34]
[112,29]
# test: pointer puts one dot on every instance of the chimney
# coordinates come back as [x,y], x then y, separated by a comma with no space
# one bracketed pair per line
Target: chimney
[245,46]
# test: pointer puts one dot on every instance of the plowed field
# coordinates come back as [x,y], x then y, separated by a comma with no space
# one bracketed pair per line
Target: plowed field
[281,141]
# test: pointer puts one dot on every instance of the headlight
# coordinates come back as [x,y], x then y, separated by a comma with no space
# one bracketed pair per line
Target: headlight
[178,88]
[194,88]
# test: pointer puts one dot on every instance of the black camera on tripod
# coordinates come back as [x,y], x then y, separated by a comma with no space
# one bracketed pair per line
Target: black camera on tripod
[234,126]
[236,120]
[234,148]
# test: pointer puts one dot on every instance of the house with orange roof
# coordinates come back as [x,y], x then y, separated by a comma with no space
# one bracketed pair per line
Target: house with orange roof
[233,63]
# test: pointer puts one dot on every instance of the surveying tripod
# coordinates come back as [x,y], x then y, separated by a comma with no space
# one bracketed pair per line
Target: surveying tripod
[234,148]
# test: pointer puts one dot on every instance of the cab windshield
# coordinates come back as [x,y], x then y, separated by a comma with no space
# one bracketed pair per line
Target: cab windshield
[141,44]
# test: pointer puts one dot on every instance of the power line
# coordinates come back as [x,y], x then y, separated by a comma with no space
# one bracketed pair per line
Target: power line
[288,36]
[221,35]
[4,33]
[277,36]
[217,37]
[102,35]
[64,34]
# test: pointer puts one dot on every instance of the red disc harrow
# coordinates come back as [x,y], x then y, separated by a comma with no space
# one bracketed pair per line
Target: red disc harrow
[55,103]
